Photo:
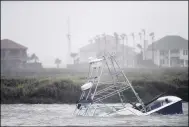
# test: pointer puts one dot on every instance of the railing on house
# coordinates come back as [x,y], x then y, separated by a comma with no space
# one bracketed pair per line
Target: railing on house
[24,57]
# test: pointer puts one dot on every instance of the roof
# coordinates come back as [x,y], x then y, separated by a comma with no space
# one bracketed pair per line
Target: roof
[9,44]
[169,43]
[110,40]
[89,47]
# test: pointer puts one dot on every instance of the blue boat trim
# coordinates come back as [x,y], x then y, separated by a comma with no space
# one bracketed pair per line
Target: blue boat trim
[175,108]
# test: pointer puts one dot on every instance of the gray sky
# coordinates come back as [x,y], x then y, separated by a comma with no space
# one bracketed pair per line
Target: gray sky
[42,26]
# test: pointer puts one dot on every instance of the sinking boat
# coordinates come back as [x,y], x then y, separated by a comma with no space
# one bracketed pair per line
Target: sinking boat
[95,92]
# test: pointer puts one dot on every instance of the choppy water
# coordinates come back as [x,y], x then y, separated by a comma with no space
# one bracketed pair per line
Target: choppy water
[61,115]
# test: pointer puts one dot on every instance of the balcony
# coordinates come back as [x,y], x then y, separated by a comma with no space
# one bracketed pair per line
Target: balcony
[22,58]
[174,54]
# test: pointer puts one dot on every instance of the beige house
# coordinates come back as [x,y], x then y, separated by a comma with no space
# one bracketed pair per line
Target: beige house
[125,54]
[13,55]
[169,51]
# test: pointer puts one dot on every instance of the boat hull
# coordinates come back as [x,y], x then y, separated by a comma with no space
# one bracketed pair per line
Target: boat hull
[159,106]
[175,108]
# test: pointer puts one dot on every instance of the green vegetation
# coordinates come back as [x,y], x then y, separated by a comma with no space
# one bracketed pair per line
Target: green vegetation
[65,87]
[38,91]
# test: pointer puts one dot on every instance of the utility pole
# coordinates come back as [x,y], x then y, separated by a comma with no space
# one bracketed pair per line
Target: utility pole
[69,42]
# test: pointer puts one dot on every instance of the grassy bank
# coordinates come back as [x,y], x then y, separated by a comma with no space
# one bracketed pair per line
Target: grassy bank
[66,88]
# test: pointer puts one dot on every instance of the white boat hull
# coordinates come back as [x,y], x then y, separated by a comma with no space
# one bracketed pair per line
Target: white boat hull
[173,107]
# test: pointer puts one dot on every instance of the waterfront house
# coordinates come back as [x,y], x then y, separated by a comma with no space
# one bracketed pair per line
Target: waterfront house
[169,51]
[125,54]
[13,55]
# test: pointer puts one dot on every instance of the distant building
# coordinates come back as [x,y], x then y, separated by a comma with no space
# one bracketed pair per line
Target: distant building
[13,55]
[108,44]
[169,51]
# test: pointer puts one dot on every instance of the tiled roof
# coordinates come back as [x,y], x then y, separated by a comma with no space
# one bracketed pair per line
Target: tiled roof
[9,44]
[169,43]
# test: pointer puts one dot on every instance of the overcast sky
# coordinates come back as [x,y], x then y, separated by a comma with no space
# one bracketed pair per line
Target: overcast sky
[42,26]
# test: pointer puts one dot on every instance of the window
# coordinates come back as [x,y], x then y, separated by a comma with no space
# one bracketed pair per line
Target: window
[14,52]
[162,61]
[186,62]
[185,52]
[2,53]
[174,51]
[167,61]
[182,62]
[162,52]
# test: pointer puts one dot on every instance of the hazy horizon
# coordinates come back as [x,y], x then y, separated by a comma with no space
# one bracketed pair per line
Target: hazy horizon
[42,25]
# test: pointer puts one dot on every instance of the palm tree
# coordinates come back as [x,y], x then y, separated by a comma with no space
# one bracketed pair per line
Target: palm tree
[73,55]
[140,35]
[126,39]
[34,57]
[139,45]
[144,34]
[126,42]
[132,34]
[97,40]
[123,37]
[57,62]
[116,38]
[104,36]
[28,58]
[152,36]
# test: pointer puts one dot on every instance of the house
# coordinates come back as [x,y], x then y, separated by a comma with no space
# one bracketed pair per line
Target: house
[169,51]
[125,54]
[13,55]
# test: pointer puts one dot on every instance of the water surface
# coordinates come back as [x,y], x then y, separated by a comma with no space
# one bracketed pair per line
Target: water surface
[61,115]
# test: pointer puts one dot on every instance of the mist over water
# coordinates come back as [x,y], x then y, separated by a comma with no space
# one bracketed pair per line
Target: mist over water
[126,28]
[42,26]
[61,115]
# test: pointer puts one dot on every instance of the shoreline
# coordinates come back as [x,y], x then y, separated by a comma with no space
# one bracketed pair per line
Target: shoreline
[64,88]
[68,92]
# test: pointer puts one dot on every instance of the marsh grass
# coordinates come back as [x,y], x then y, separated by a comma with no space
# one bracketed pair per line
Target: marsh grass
[65,88]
